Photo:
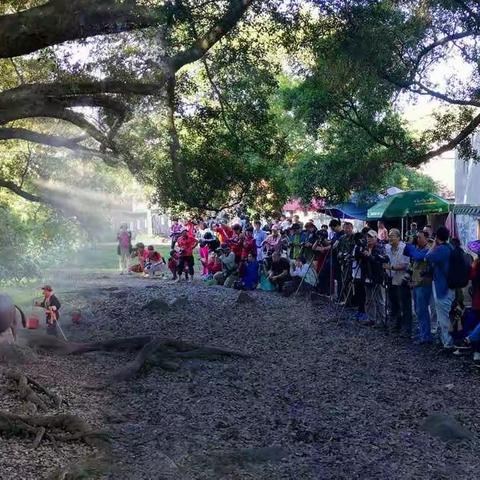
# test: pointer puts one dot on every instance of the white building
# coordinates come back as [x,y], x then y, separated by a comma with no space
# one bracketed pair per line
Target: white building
[467,196]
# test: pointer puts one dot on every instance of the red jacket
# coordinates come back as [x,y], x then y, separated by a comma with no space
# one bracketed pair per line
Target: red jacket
[236,244]
[249,246]
[154,257]
[186,245]
[224,233]
[214,266]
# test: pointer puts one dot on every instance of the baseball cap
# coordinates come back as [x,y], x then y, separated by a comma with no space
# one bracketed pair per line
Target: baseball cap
[48,288]
[372,233]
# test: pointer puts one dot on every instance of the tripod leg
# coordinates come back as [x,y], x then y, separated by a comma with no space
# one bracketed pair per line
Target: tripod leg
[344,306]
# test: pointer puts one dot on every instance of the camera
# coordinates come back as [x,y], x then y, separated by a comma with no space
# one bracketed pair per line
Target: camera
[360,241]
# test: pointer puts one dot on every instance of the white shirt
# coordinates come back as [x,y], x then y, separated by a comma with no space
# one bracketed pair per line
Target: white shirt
[397,259]
[306,271]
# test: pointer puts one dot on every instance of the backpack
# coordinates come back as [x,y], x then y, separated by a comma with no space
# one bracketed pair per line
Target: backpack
[459,266]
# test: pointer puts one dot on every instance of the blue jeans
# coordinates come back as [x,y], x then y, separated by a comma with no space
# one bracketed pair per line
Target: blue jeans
[443,306]
[474,336]
[422,300]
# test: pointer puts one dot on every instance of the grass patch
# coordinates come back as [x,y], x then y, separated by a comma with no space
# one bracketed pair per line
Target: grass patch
[102,258]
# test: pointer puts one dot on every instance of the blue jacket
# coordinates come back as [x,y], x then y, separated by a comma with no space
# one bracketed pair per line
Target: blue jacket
[250,275]
[439,258]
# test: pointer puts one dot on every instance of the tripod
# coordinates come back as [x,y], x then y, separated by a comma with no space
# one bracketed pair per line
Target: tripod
[341,310]
[310,266]
[372,299]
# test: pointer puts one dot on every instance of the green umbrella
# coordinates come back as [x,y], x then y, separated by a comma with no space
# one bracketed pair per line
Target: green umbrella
[408,204]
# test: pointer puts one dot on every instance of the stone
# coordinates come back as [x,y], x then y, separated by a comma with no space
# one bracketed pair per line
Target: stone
[446,428]
[180,301]
[244,297]
[156,305]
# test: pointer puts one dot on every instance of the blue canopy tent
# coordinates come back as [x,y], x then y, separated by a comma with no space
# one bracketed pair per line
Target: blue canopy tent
[348,210]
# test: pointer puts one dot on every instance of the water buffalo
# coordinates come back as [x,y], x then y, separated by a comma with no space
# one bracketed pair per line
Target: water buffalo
[8,315]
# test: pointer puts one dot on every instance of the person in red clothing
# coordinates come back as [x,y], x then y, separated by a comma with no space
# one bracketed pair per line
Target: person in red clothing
[141,253]
[173,263]
[249,245]
[191,228]
[236,242]
[224,233]
[214,264]
[154,262]
[186,244]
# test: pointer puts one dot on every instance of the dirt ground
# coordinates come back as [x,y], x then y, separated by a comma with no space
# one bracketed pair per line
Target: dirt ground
[318,398]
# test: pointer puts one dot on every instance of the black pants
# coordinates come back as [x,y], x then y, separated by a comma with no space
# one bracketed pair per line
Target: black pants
[187,260]
[359,295]
[323,276]
[280,282]
[400,298]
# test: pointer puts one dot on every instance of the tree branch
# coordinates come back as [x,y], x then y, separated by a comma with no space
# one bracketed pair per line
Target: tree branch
[450,145]
[442,96]
[234,13]
[13,187]
[45,139]
[58,21]
[444,41]
[174,147]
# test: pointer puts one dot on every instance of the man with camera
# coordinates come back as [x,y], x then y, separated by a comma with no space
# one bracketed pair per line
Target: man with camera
[422,284]
[398,283]
[371,258]
[345,259]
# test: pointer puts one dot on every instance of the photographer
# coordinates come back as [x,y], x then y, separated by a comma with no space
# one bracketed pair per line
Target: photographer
[338,233]
[360,245]
[322,258]
[399,284]
[311,237]
[422,285]
[345,248]
[296,241]
[438,258]
[372,259]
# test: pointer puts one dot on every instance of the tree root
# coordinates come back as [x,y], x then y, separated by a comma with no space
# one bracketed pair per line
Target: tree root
[41,401]
[165,353]
[59,428]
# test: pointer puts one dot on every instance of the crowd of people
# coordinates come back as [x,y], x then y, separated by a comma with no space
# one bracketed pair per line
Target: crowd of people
[386,280]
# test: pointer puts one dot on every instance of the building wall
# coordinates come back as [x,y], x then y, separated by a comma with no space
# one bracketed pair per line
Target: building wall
[467,178]
[467,192]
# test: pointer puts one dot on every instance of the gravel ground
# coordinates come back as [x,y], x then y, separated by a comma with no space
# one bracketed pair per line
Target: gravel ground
[317,400]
